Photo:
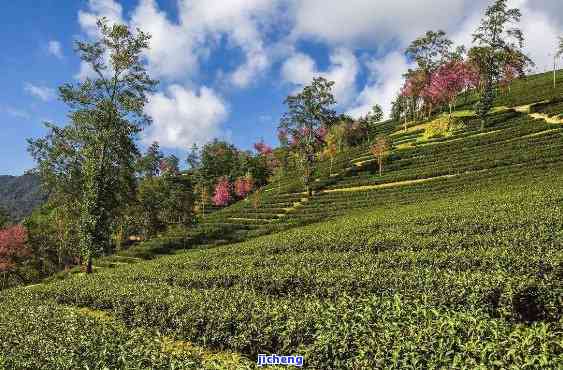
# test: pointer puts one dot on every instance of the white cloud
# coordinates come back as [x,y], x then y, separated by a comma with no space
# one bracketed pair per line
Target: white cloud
[54,47]
[377,23]
[540,29]
[16,113]
[42,92]
[384,84]
[243,22]
[177,47]
[109,9]
[174,48]
[183,117]
[300,69]
[553,9]
[541,32]
[266,32]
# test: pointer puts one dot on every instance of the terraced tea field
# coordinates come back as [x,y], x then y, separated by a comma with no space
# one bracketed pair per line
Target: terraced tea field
[471,278]
[453,258]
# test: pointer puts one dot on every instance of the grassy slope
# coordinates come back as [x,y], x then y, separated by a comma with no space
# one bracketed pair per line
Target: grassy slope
[456,272]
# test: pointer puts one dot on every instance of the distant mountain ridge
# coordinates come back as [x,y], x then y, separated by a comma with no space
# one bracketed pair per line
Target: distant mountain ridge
[19,195]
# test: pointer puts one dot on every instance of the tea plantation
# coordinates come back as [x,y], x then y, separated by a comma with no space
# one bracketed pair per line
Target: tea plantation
[452,259]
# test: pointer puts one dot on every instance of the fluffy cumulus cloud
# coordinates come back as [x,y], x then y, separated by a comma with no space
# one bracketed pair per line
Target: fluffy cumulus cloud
[54,48]
[383,84]
[377,23]
[183,116]
[177,46]
[541,30]
[243,22]
[174,48]
[41,92]
[300,69]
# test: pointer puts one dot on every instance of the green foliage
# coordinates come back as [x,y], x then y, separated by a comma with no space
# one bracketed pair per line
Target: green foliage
[91,162]
[473,279]
[4,218]
[218,159]
[163,201]
[430,50]
[59,337]
[149,164]
[308,113]
[52,235]
[499,41]
[19,195]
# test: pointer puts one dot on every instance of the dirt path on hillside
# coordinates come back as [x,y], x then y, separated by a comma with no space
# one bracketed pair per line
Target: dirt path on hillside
[387,185]
[545,117]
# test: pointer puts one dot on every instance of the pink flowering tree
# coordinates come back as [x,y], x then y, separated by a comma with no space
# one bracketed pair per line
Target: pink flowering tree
[470,75]
[13,249]
[415,82]
[222,194]
[263,148]
[446,83]
[243,186]
[266,156]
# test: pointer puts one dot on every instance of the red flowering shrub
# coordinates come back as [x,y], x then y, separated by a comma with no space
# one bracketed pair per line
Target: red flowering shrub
[13,247]
[263,149]
[222,195]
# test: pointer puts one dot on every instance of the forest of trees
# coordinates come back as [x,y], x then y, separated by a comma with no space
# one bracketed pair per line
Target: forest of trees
[103,191]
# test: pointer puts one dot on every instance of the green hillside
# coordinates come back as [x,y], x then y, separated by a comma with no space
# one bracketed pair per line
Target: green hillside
[516,139]
[452,259]
[19,195]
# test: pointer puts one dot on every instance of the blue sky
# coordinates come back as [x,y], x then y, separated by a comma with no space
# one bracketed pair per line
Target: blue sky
[225,66]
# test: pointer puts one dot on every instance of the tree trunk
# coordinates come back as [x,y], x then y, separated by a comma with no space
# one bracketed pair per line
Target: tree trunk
[89,265]
[380,166]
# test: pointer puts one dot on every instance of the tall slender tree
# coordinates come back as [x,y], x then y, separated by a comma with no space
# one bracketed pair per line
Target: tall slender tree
[380,151]
[149,164]
[308,113]
[94,156]
[498,37]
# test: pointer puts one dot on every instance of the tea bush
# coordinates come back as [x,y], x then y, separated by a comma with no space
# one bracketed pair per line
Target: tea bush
[471,280]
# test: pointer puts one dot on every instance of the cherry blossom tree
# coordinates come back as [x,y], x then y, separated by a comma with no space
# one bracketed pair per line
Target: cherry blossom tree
[415,82]
[222,195]
[446,83]
[13,249]
[263,148]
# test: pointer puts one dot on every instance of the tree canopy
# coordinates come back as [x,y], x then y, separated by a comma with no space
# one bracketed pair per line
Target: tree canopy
[92,159]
